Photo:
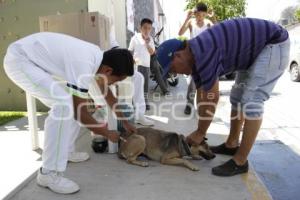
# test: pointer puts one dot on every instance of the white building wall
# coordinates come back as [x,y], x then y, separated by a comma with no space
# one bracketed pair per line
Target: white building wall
[115,10]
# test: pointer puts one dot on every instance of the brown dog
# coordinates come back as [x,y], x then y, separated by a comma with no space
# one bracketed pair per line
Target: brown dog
[168,148]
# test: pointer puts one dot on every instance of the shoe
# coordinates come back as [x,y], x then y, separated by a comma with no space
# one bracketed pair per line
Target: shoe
[78,157]
[166,93]
[142,120]
[99,145]
[230,168]
[222,149]
[56,182]
[147,107]
[187,110]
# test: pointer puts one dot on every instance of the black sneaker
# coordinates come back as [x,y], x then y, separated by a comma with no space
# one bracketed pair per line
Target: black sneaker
[187,110]
[166,93]
[222,149]
[230,168]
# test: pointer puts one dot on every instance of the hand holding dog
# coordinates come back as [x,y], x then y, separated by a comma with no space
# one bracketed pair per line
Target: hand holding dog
[195,138]
[113,136]
[129,127]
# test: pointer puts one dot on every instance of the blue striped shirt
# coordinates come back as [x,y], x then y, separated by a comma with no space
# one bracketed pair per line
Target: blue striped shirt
[230,46]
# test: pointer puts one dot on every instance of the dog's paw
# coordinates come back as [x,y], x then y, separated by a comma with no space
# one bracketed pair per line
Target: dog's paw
[197,157]
[145,164]
[195,168]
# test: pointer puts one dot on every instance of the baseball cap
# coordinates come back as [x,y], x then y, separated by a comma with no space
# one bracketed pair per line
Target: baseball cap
[165,53]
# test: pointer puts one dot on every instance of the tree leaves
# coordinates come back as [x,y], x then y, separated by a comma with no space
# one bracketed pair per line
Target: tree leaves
[223,9]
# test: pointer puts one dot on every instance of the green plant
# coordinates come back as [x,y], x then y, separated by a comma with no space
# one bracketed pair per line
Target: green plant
[6,116]
[297,14]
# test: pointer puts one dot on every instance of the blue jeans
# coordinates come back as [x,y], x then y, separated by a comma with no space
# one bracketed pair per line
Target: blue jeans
[254,86]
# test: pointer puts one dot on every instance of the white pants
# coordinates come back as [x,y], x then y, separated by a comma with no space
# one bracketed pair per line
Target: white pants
[138,94]
[61,129]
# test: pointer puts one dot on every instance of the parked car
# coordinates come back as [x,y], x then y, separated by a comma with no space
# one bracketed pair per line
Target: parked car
[294,64]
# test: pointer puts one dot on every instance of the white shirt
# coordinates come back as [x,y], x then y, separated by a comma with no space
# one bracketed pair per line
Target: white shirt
[140,52]
[196,30]
[66,57]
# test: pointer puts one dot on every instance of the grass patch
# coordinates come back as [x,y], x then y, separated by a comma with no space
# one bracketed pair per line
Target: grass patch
[7,116]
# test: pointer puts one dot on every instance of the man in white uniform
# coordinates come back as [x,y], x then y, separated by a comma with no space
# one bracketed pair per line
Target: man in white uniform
[33,61]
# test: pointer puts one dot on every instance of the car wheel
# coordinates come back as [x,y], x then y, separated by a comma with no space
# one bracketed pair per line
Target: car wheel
[295,72]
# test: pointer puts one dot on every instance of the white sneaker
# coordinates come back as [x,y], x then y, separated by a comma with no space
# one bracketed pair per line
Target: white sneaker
[78,157]
[56,182]
[142,120]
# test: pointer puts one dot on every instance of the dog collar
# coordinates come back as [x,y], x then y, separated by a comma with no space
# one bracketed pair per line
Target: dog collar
[186,147]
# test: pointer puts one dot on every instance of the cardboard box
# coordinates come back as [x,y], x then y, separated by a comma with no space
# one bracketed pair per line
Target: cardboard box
[89,26]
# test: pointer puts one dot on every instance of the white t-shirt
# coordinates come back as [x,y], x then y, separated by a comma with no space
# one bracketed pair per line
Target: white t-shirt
[140,52]
[66,57]
[196,30]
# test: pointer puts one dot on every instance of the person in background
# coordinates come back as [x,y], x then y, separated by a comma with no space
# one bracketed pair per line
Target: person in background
[195,26]
[138,97]
[142,46]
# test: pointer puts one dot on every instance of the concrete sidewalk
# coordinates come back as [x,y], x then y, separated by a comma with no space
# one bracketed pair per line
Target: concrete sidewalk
[18,161]
[104,176]
[107,177]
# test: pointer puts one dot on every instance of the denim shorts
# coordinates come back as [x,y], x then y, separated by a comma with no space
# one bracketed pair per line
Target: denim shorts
[254,86]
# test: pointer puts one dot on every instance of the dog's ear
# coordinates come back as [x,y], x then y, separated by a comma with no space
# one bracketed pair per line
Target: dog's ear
[124,134]
[205,151]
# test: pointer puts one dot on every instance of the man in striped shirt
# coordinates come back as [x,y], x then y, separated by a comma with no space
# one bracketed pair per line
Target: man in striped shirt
[258,50]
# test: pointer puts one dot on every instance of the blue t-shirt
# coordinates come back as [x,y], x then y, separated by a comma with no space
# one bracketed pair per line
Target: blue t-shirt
[230,46]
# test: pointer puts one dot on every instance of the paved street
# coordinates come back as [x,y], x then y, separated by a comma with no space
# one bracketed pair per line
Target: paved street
[281,118]
[276,154]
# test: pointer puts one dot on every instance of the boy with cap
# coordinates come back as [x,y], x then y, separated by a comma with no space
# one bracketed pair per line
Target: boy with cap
[259,51]
[34,63]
